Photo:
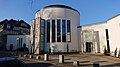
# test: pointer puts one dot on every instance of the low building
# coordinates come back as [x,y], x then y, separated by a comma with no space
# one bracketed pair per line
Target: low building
[98,37]
[94,37]
[15,42]
[12,27]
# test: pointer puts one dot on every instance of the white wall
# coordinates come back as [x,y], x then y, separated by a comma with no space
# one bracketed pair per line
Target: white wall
[12,39]
[79,39]
[99,35]
[114,33]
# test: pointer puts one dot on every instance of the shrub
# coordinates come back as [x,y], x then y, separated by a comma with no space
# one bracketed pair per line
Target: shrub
[115,53]
[11,47]
[106,52]
[24,48]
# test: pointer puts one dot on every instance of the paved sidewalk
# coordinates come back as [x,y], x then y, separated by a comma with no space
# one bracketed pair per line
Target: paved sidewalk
[85,60]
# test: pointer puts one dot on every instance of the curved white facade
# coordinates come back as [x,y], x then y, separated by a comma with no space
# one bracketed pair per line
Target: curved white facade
[58,17]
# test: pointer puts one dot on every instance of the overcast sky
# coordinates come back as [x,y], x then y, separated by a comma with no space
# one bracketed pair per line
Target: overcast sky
[91,11]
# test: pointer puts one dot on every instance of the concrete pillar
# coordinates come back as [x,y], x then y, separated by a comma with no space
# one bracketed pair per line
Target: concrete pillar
[20,55]
[76,63]
[37,57]
[46,57]
[30,56]
[61,58]
[96,64]
[25,56]
[117,54]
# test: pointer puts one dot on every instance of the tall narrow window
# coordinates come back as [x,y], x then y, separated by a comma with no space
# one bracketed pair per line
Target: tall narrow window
[21,43]
[48,30]
[53,30]
[42,30]
[63,30]
[107,33]
[58,31]
[42,34]
[107,39]
[68,25]
[68,31]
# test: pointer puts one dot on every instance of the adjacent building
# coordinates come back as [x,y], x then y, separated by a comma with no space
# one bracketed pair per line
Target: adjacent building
[95,38]
[15,42]
[12,27]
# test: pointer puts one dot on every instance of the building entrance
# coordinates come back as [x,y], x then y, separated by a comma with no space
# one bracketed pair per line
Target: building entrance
[88,46]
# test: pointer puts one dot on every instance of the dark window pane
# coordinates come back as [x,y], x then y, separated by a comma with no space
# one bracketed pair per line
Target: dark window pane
[48,30]
[68,31]
[108,46]
[53,30]
[42,38]
[42,30]
[58,31]
[21,43]
[63,31]
[107,33]
[107,38]
[42,23]
[68,25]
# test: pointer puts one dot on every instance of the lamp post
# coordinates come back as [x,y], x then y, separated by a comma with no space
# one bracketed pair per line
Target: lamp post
[17,44]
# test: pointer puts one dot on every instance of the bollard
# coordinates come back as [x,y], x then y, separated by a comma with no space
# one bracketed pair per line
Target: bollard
[37,57]
[61,58]
[76,63]
[20,55]
[25,56]
[30,56]
[46,57]
[96,64]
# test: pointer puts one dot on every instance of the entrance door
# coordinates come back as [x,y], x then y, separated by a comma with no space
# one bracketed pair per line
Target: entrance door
[88,46]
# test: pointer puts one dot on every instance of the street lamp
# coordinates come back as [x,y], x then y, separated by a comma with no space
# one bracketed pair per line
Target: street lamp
[17,44]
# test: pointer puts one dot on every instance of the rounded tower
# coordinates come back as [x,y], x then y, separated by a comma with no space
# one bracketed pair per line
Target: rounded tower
[54,29]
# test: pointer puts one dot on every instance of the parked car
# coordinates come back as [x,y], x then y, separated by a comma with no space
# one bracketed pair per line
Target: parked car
[11,62]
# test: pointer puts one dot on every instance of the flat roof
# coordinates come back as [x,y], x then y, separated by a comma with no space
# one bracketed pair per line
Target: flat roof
[91,24]
[113,16]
